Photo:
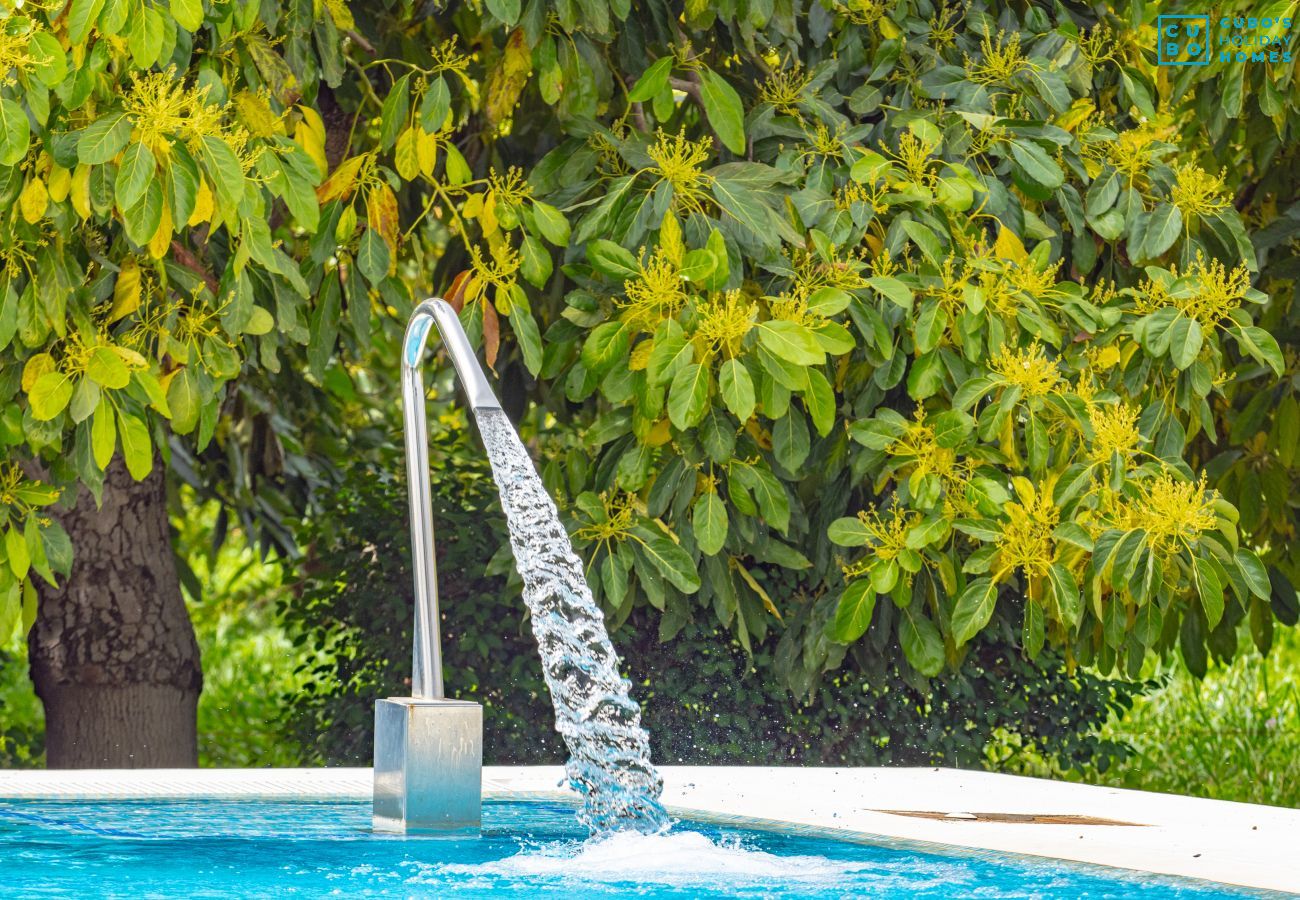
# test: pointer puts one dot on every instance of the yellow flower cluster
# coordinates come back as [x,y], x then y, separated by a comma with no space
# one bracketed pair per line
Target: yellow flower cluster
[1114,428]
[1172,512]
[656,294]
[1001,60]
[888,536]
[784,88]
[1215,293]
[1027,543]
[679,161]
[620,515]
[1197,192]
[722,322]
[1029,369]
[163,109]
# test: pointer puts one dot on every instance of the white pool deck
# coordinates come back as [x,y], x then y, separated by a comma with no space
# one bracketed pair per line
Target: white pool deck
[1235,843]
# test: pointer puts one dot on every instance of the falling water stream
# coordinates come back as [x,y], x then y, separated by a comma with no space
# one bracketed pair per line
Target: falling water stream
[609,762]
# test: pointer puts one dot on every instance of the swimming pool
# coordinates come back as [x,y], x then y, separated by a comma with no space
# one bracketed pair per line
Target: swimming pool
[257,848]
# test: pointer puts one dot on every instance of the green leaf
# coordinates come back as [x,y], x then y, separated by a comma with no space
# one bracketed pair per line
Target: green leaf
[16,549]
[1185,341]
[48,59]
[1162,228]
[952,427]
[1036,164]
[932,530]
[372,256]
[103,433]
[143,217]
[136,447]
[551,223]
[1253,573]
[974,609]
[133,175]
[791,342]
[737,389]
[505,10]
[709,520]
[652,81]
[223,168]
[534,261]
[49,395]
[688,397]
[81,18]
[182,400]
[606,345]
[15,132]
[819,398]
[1065,589]
[107,370]
[1262,346]
[724,110]
[103,139]
[611,260]
[922,644]
[670,559]
[849,531]
[670,353]
[895,290]
[853,615]
[188,13]
[395,112]
[1210,590]
[769,493]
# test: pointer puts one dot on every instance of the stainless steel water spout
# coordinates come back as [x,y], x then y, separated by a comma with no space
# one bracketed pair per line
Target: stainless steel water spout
[426,675]
[428,749]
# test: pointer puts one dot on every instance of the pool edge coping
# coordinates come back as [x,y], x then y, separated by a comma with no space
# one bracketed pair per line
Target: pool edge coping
[850,804]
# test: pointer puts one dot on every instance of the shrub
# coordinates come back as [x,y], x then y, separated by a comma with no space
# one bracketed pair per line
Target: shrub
[705,698]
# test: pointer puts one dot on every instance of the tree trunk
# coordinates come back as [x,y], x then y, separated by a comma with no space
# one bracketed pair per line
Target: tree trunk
[113,654]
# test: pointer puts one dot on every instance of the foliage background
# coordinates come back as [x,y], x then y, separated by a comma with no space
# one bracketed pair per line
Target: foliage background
[858,335]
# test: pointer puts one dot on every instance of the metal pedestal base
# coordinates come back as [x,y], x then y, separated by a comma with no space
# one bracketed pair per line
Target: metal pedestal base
[428,765]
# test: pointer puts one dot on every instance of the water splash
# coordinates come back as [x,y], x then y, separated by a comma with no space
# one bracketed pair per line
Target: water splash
[609,761]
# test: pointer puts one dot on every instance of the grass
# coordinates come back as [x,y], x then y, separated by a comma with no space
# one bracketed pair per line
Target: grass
[1233,736]
[249,660]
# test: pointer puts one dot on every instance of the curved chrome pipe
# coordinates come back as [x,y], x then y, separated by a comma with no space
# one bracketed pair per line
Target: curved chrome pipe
[426,675]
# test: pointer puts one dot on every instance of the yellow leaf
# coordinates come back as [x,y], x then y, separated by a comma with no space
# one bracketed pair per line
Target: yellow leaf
[306,138]
[890,31]
[341,15]
[488,218]
[256,113]
[38,365]
[60,183]
[381,215]
[341,182]
[426,151]
[758,589]
[162,238]
[347,225]
[132,359]
[126,292]
[202,204]
[640,358]
[315,124]
[659,434]
[33,201]
[1072,117]
[1008,246]
[508,77]
[405,156]
[81,190]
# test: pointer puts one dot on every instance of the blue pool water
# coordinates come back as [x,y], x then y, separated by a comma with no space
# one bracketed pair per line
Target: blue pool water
[214,848]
